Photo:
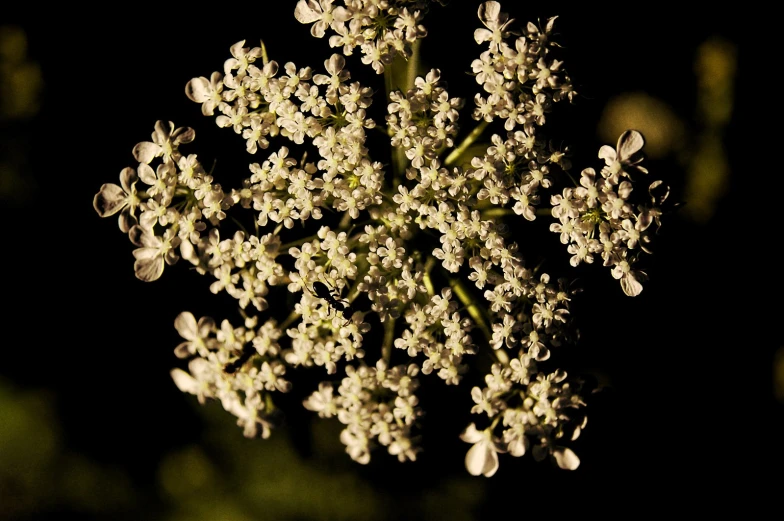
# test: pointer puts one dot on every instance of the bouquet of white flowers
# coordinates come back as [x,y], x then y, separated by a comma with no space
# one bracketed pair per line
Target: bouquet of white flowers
[384,267]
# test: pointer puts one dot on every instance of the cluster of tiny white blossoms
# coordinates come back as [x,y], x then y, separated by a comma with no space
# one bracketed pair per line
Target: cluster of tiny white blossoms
[406,253]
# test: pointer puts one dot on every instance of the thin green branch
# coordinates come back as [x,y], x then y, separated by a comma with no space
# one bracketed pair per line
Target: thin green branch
[289,320]
[239,224]
[264,57]
[345,221]
[412,67]
[463,294]
[467,142]
[467,299]
[285,247]
[389,338]
[429,263]
[497,212]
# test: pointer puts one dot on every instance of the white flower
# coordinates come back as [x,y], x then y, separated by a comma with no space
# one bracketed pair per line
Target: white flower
[162,181]
[495,22]
[357,444]
[628,277]
[321,12]
[249,416]
[242,57]
[322,401]
[111,199]
[153,251]
[207,92]
[196,335]
[403,448]
[164,143]
[199,382]
[482,458]
[626,155]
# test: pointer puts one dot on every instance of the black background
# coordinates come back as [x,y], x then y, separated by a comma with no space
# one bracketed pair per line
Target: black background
[689,415]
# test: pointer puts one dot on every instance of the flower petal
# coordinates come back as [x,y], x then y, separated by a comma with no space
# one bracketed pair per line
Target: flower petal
[184,381]
[127,221]
[148,266]
[475,459]
[127,179]
[318,29]
[305,14]
[482,35]
[146,151]
[198,89]
[629,144]
[161,134]
[491,463]
[236,49]
[186,326]
[183,135]
[147,174]
[566,458]
[471,434]
[607,153]
[489,11]
[183,350]
[630,285]
[109,200]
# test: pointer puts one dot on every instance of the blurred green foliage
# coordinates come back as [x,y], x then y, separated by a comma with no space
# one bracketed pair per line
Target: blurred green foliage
[20,78]
[21,83]
[39,473]
[225,477]
[709,168]
[249,479]
[697,141]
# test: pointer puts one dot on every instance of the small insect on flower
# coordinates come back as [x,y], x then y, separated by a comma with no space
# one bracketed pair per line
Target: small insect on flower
[332,296]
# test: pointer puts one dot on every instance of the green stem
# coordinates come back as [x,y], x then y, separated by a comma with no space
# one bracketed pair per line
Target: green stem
[413,64]
[269,405]
[345,221]
[462,293]
[389,87]
[238,223]
[406,83]
[289,320]
[285,247]
[572,178]
[467,142]
[264,57]
[353,291]
[389,337]
[467,299]
[497,212]
[429,263]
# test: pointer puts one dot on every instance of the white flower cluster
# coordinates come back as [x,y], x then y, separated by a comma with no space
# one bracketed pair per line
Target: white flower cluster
[382,29]
[405,255]
[605,203]
[374,403]
[216,356]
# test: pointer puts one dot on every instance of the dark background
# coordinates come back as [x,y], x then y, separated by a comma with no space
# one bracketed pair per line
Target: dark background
[93,425]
